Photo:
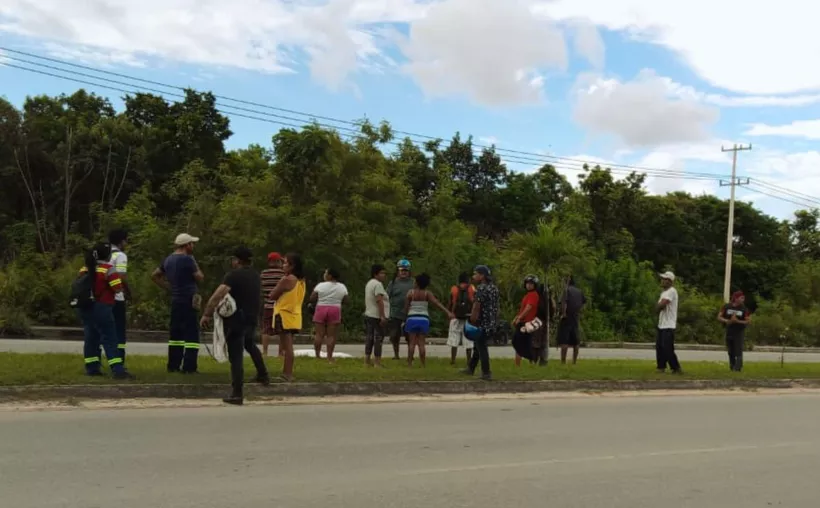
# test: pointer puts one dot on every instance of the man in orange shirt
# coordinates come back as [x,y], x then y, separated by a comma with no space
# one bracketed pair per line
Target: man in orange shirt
[461,304]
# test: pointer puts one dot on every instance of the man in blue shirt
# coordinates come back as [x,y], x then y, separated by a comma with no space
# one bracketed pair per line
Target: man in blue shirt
[179,273]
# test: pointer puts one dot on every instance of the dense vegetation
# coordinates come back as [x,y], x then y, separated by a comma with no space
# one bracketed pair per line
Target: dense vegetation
[72,167]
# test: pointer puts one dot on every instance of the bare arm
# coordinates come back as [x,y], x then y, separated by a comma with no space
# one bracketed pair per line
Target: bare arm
[314,297]
[346,299]
[217,297]
[407,301]
[721,318]
[524,312]
[662,304]
[282,287]
[380,304]
[475,312]
[432,298]
[158,277]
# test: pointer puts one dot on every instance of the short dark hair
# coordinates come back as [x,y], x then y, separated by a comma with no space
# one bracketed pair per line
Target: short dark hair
[376,269]
[464,278]
[422,280]
[243,254]
[297,268]
[117,236]
[334,273]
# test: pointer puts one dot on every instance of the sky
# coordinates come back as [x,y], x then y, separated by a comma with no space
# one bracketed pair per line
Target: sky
[646,83]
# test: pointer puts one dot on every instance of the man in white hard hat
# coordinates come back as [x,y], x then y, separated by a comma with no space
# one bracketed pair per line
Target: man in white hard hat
[179,273]
[667,322]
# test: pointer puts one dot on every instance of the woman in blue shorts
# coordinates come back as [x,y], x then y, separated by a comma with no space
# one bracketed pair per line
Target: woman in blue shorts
[417,324]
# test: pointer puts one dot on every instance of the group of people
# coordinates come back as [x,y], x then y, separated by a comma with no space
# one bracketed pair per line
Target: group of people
[275,299]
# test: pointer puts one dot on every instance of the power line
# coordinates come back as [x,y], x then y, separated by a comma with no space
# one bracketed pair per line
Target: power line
[758,190]
[348,132]
[516,155]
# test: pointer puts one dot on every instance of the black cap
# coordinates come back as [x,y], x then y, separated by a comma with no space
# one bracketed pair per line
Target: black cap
[483,270]
[242,254]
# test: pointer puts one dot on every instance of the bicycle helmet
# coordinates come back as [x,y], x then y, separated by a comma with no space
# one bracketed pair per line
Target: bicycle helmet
[471,332]
[531,278]
[403,263]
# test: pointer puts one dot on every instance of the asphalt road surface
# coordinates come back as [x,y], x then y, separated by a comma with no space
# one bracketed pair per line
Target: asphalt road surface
[726,451]
[62,346]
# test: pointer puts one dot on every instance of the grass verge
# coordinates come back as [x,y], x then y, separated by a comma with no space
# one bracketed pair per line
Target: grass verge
[67,369]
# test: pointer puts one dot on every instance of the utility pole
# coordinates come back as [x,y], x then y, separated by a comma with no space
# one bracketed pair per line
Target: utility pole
[730,233]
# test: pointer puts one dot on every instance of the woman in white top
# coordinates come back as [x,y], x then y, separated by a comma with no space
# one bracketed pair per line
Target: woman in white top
[328,297]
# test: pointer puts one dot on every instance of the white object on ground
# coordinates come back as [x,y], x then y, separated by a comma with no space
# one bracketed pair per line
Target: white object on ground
[323,354]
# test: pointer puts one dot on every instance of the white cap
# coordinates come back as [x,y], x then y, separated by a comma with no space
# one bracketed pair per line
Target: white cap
[185,239]
[668,276]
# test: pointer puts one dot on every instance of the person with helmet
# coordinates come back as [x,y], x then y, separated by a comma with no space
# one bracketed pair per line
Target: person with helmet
[526,322]
[397,290]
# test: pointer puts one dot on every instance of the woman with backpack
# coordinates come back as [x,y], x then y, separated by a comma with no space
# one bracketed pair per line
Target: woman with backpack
[417,310]
[461,305]
[93,295]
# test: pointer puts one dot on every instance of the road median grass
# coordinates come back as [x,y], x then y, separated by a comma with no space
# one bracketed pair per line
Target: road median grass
[20,369]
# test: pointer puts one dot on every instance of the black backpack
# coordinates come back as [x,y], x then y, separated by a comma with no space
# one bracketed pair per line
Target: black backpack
[82,292]
[464,306]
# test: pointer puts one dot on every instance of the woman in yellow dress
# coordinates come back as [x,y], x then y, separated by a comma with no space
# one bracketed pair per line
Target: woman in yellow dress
[289,295]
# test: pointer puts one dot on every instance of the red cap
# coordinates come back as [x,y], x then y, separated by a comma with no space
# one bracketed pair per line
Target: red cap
[274,256]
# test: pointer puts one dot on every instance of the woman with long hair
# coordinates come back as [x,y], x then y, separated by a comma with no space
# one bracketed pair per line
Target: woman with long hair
[289,295]
[101,284]
[417,310]
[328,297]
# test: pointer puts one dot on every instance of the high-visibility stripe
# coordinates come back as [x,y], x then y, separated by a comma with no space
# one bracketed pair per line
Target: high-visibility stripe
[121,266]
[192,345]
[114,361]
[121,346]
[115,282]
[92,359]
[179,343]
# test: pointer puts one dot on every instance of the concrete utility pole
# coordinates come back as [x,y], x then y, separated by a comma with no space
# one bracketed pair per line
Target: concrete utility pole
[730,233]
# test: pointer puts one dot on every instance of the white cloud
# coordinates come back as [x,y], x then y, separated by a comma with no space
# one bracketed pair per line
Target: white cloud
[763,48]
[489,50]
[796,176]
[588,43]
[808,129]
[339,36]
[735,101]
[641,113]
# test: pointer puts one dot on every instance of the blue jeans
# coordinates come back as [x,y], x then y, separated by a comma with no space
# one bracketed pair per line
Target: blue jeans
[100,330]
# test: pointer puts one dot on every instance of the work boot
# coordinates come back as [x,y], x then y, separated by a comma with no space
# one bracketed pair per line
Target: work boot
[234,400]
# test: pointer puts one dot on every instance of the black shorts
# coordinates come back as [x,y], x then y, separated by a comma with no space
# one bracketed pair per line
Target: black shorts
[568,333]
[279,330]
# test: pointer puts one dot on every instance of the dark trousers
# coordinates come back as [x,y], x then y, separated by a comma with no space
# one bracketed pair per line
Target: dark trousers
[120,318]
[183,346]
[99,330]
[374,337]
[240,338]
[481,354]
[665,350]
[734,345]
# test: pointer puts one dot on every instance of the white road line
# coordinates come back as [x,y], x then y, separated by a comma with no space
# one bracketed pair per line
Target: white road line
[603,458]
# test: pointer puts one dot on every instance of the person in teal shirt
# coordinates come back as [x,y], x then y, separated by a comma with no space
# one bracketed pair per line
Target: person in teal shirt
[397,291]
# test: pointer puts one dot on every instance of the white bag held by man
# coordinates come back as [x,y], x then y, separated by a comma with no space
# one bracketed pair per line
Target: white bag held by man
[225,309]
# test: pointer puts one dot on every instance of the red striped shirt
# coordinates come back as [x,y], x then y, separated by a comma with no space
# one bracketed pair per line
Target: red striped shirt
[270,278]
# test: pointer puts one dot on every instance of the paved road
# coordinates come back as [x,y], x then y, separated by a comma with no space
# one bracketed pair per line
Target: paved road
[730,451]
[62,346]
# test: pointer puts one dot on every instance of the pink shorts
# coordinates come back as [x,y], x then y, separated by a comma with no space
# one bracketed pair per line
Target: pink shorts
[327,315]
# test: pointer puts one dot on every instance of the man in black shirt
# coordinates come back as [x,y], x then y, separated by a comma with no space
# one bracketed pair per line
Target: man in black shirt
[244,285]
[736,317]
[572,302]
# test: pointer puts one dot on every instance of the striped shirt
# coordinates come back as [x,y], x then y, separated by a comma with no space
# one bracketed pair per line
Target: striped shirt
[106,283]
[270,278]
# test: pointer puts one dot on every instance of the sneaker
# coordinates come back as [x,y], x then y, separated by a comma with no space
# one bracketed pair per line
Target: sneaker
[262,380]
[468,372]
[486,377]
[678,372]
[234,400]
[124,375]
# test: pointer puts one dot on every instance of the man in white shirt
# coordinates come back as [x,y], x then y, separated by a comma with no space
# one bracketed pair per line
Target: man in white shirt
[118,239]
[667,322]
[376,313]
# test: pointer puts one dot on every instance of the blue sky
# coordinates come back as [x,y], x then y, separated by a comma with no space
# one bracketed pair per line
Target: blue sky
[646,83]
